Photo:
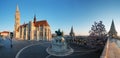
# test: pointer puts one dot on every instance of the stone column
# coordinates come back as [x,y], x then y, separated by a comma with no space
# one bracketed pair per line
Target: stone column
[43,31]
[22,33]
[38,35]
[49,35]
[31,30]
[26,34]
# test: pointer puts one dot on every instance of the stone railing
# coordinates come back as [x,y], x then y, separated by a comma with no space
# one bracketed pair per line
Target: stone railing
[111,49]
[105,51]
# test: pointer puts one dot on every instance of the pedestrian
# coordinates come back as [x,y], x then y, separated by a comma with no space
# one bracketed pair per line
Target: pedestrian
[11,40]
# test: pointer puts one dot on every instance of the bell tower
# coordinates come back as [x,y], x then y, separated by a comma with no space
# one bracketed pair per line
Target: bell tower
[17,23]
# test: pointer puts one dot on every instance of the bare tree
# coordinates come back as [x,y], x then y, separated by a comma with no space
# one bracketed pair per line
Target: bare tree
[98,35]
[98,29]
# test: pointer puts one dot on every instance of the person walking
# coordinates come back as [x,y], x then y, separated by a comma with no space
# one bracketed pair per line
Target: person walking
[11,36]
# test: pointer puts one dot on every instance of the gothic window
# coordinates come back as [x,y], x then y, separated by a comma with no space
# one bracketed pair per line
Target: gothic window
[20,32]
[41,28]
[29,27]
[41,34]
[34,33]
[24,30]
[45,32]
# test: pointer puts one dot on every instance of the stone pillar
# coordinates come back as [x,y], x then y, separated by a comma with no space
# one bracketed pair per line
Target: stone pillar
[31,30]
[43,31]
[37,34]
[49,35]
[26,33]
[22,33]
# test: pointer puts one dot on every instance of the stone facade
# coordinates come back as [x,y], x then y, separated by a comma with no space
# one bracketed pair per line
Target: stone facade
[34,30]
[5,34]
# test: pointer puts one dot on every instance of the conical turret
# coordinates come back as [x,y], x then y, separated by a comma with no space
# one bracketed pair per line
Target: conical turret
[17,23]
[112,31]
[34,18]
[72,32]
[17,8]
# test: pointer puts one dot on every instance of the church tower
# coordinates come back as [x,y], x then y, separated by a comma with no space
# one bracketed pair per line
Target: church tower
[72,34]
[112,31]
[17,23]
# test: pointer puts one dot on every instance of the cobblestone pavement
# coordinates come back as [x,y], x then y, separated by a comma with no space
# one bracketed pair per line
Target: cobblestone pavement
[37,49]
[7,52]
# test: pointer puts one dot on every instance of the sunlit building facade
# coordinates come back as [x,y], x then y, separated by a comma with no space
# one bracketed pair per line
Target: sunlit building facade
[33,30]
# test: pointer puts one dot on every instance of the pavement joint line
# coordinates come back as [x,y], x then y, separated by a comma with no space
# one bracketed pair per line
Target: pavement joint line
[17,55]
[86,51]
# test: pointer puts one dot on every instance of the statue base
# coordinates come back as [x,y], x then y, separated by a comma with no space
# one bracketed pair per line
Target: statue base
[66,52]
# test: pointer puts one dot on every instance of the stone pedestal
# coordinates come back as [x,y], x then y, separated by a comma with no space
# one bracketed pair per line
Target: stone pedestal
[59,44]
[59,47]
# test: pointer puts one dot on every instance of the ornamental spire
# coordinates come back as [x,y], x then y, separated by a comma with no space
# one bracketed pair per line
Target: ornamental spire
[112,31]
[34,18]
[72,32]
[72,29]
[17,8]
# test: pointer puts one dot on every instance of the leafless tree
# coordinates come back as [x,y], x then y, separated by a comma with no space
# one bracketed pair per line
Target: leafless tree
[98,35]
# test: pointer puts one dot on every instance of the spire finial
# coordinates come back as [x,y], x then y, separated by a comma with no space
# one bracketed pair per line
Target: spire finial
[17,8]
[72,29]
[72,32]
[112,31]
[34,18]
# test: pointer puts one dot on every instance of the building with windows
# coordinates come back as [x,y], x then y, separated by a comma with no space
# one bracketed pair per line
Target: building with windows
[33,30]
[5,34]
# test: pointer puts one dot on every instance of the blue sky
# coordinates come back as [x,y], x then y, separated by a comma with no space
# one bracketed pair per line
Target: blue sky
[62,14]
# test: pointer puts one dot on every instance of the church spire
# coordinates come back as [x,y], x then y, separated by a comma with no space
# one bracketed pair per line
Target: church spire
[112,31]
[72,29]
[34,18]
[17,8]
[17,23]
[72,32]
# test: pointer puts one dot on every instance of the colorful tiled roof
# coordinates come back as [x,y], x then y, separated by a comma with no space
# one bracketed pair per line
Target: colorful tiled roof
[5,32]
[24,25]
[41,23]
